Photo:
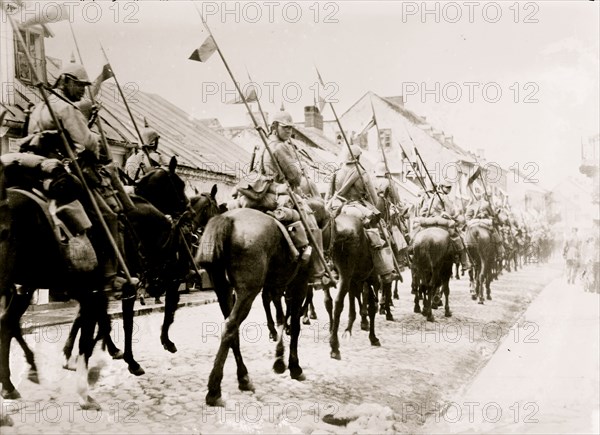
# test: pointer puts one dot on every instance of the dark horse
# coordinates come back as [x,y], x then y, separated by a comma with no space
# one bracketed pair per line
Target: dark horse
[244,249]
[156,249]
[351,256]
[433,256]
[28,244]
[482,252]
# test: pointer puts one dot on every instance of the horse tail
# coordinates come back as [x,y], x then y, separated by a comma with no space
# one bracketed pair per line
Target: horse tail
[214,243]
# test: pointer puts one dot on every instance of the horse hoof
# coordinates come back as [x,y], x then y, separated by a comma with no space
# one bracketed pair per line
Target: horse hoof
[67,366]
[480,302]
[142,300]
[382,310]
[116,354]
[347,335]
[448,313]
[489,298]
[246,384]
[430,318]
[33,376]
[364,326]
[136,370]
[170,346]
[215,400]
[474,297]
[10,395]
[417,309]
[90,404]
[5,420]
[335,354]
[273,336]
[389,317]
[297,375]
[376,343]
[305,321]
[279,366]
[313,316]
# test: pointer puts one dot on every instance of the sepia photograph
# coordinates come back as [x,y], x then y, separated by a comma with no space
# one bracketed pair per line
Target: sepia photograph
[279,217]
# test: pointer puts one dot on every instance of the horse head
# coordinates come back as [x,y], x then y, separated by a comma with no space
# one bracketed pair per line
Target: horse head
[164,189]
[204,207]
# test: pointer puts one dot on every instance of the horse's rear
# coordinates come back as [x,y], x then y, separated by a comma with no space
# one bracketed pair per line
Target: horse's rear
[245,250]
[351,255]
[481,250]
[432,267]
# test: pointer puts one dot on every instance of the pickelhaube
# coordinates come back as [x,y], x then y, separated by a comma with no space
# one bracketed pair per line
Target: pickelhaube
[149,135]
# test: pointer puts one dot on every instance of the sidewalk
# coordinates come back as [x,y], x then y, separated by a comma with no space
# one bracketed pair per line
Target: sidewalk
[58,313]
[544,378]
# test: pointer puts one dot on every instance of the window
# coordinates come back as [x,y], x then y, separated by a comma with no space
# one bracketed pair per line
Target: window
[34,41]
[385,136]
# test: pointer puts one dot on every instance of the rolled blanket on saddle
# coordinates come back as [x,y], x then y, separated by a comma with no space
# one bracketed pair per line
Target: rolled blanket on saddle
[434,221]
[485,223]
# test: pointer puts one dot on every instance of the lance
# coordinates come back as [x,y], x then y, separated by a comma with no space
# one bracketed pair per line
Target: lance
[254,151]
[137,130]
[380,224]
[277,166]
[388,176]
[122,196]
[415,169]
[40,85]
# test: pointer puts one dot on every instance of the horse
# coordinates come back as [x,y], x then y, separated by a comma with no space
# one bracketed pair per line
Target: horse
[28,243]
[156,249]
[351,256]
[244,249]
[433,256]
[478,240]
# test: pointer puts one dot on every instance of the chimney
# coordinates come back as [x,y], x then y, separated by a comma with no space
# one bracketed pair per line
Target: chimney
[313,118]
[398,100]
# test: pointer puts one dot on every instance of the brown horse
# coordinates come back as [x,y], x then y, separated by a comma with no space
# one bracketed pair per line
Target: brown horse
[351,256]
[431,269]
[482,252]
[244,251]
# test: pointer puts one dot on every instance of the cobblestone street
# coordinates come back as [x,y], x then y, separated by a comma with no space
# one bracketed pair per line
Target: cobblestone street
[394,388]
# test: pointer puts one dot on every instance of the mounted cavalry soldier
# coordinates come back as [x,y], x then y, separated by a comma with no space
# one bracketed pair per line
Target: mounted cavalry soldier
[267,191]
[352,194]
[481,211]
[141,161]
[59,185]
[439,207]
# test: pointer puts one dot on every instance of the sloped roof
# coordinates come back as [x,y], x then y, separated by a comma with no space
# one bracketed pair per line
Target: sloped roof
[195,145]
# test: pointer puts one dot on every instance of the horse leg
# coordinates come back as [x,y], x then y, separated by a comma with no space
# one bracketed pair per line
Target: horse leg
[230,338]
[481,280]
[295,307]
[307,304]
[372,301]
[70,343]
[337,312]
[446,290]
[312,314]
[266,301]
[279,364]
[171,301]
[127,302]
[89,315]
[351,312]
[386,289]
[9,328]
[22,302]
[363,307]
[328,302]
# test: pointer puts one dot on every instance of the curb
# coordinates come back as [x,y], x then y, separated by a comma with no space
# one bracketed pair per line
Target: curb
[119,314]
